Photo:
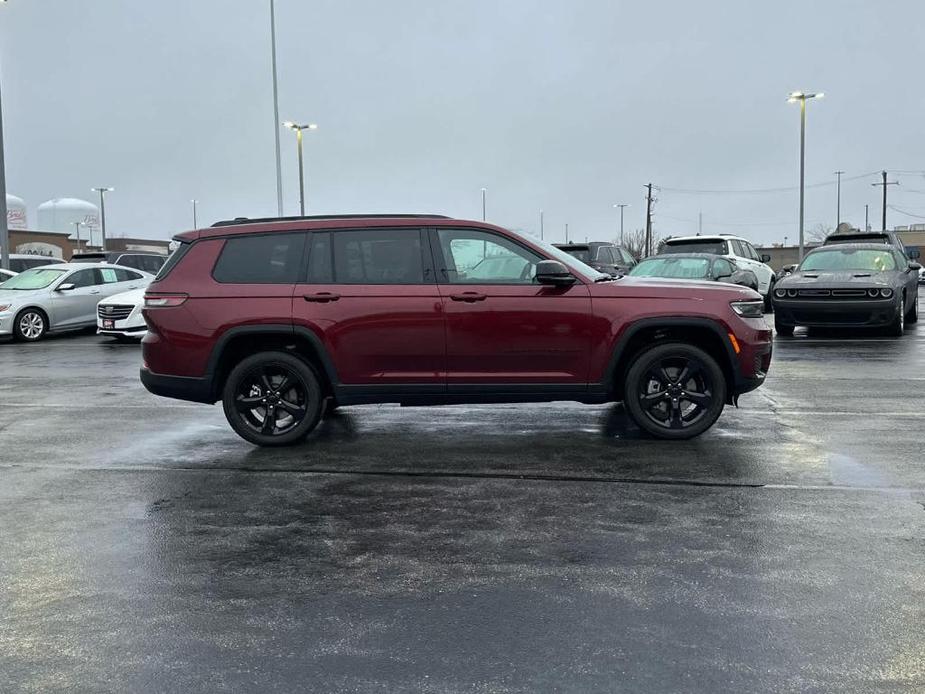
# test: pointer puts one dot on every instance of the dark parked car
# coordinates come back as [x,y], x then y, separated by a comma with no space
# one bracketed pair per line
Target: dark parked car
[278,318]
[20,262]
[858,284]
[695,266]
[849,235]
[602,256]
[139,260]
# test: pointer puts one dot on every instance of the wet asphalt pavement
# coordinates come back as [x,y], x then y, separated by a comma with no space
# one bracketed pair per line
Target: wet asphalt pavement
[144,547]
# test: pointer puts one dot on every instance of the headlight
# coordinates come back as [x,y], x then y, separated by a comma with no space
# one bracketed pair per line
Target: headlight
[792,293]
[780,293]
[872,293]
[4,307]
[886,292]
[748,309]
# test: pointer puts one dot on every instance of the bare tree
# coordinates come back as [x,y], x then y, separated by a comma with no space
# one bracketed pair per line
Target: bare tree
[635,242]
[818,233]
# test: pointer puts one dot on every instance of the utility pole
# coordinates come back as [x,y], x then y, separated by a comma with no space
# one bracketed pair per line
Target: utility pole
[541,225]
[648,250]
[195,216]
[885,183]
[866,217]
[484,190]
[838,198]
[566,232]
[699,223]
[279,166]
[4,230]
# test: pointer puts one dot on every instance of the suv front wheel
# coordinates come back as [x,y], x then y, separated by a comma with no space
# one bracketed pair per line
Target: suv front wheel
[272,399]
[675,391]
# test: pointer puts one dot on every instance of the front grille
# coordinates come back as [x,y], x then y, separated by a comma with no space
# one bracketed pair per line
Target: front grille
[814,292]
[850,292]
[114,311]
[834,294]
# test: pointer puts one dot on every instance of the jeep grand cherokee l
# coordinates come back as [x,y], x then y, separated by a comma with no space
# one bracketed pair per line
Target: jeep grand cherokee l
[281,318]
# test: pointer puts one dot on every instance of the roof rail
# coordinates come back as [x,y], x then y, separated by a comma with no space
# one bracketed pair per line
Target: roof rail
[264,220]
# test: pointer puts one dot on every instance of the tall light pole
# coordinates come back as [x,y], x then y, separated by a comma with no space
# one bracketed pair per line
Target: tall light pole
[802,98]
[622,206]
[102,192]
[866,217]
[541,225]
[566,232]
[484,191]
[279,166]
[838,198]
[195,217]
[4,231]
[298,138]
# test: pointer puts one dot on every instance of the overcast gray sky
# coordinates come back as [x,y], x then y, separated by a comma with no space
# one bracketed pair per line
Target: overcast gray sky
[568,107]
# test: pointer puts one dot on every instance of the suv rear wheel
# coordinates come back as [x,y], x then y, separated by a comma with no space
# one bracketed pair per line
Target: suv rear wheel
[675,391]
[272,399]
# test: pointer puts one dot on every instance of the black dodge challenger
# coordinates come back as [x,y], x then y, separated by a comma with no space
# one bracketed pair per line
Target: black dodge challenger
[849,285]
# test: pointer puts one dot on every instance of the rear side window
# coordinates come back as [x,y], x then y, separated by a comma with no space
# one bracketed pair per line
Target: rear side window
[320,260]
[261,259]
[129,261]
[172,261]
[125,275]
[378,256]
[151,263]
[714,246]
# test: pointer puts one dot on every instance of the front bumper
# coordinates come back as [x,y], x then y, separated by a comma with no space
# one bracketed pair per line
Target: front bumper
[832,313]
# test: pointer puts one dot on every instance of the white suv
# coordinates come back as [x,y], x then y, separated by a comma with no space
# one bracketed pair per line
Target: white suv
[734,247]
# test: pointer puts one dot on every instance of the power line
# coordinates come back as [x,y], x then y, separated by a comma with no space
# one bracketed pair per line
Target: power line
[908,214]
[738,224]
[755,191]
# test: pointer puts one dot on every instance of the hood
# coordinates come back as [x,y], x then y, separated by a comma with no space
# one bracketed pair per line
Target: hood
[835,279]
[134,297]
[668,288]
[13,295]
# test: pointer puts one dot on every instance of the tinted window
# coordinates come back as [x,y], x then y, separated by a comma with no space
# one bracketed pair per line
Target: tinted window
[378,256]
[320,262]
[605,255]
[751,252]
[129,261]
[263,259]
[126,275]
[716,247]
[172,261]
[583,254]
[627,256]
[478,257]
[84,278]
[152,263]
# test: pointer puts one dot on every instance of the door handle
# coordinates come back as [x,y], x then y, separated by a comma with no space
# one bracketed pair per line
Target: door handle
[468,297]
[321,297]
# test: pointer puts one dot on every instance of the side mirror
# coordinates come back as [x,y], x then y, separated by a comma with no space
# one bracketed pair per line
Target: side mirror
[915,266]
[553,272]
[765,258]
[65,287]
[788,269]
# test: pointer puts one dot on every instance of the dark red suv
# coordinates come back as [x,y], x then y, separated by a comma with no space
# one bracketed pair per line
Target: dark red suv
[284,319]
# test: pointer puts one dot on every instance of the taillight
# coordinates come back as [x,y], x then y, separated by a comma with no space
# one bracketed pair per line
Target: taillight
[154,300]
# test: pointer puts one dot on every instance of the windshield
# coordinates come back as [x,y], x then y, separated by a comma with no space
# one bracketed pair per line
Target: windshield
[38,278]
[570,261]
[850,259]
[714,246]
[583,254]
[678,268]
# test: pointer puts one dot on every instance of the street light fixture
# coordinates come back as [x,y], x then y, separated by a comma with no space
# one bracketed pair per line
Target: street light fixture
[102,192]
[298,128]
[621,205]
[802,98]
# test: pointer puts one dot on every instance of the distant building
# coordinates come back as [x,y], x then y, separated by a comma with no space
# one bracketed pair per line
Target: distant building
[58,244]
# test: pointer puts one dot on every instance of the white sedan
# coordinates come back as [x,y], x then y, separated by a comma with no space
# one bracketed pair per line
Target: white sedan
[120,316]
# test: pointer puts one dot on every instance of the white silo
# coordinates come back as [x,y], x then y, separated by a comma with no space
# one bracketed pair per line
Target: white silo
[61,214]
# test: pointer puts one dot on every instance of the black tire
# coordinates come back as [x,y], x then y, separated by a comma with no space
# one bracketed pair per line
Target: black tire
[898,326]
[783,328]
[285,394]
[913,315]
[31,325]
[768,303]
[659,389]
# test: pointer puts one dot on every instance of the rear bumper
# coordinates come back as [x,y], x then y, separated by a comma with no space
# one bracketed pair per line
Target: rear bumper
[178,387]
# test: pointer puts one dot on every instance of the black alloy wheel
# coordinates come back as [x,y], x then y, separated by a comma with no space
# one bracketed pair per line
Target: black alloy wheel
[30,325]
[675,391]
[272,399]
